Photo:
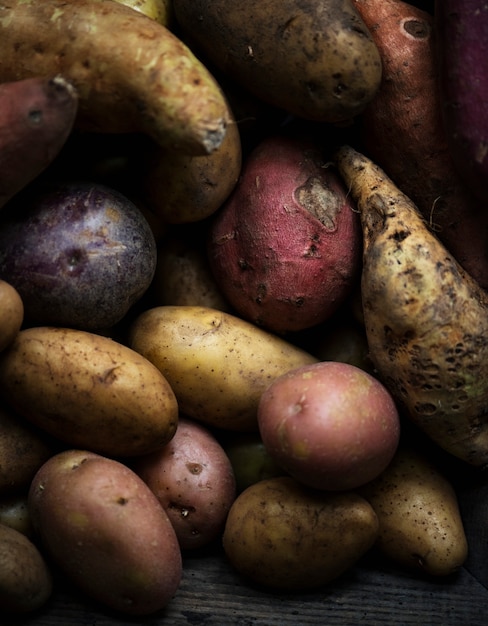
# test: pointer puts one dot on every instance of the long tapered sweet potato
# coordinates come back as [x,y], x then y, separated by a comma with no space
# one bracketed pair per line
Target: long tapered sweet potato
[426,319]
[462,27]
[36,118]
[402,130]
[132,73]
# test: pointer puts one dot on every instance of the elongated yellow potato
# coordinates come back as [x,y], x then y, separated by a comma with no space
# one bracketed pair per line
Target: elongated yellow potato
[88,391]
[217,364]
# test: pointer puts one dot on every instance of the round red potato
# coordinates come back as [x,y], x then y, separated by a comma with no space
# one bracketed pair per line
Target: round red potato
[330,425]
[285,248]
[193,479]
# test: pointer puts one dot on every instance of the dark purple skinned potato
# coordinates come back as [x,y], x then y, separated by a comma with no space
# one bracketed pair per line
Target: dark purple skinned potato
[79,254]
[285,248]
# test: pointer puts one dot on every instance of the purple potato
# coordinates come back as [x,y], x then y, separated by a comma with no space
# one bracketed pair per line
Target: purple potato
[79,254]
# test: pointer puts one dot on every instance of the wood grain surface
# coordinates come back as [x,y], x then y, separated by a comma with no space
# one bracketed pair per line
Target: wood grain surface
[211,594]
[373,593]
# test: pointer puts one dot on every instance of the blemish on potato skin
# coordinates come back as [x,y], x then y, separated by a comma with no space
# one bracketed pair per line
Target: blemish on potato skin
[194,468]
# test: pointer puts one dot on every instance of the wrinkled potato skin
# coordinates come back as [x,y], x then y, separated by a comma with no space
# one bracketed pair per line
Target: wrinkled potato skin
[193,480]
[11,313]
[25,580]
[88,391]
[217,364]
[183,189]
[281,535]
[106,531]
[316,60]
[23,450]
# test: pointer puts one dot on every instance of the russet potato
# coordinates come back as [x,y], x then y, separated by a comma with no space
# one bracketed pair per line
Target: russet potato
[285,536]
[88,391]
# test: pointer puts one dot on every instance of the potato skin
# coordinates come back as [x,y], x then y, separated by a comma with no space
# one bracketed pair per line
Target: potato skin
[284,536]
[184,189]
[25,579]
[420,522]
[106,530]
[216,363]
[183,276]
[330,425]
[23,449]
[132,74]
[11,313]
[88,391]
[14,512]
[402,128]
[36,117]
[80,254]
[193,479]
[316,60]
[285,248]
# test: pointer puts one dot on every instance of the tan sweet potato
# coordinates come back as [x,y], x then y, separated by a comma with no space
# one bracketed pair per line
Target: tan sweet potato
[426,319]
[403,132]
[131,72]
[36,118]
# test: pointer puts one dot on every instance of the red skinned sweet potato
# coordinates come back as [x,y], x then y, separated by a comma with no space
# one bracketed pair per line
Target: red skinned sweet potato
[36,118]
[403,131]
[285,249]
[462,27]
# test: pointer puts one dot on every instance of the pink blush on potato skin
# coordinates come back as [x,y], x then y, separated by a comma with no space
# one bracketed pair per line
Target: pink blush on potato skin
[331,425]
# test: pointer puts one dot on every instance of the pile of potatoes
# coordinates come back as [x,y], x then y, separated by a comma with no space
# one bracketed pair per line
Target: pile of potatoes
[235,292]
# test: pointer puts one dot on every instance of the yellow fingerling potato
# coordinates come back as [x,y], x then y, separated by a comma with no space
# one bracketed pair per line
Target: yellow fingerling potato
[88,391]
[217,364]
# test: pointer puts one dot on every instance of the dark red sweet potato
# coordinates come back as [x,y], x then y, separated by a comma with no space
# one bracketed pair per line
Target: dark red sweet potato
[403,132]
[36,118]
[285,248]
[462,27]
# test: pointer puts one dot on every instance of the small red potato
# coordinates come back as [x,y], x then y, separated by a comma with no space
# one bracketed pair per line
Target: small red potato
[194,482]
[36,118]
[330,425]
[285,248]
[105,529]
